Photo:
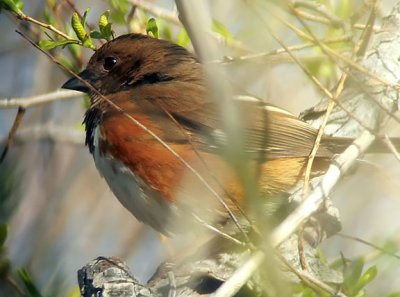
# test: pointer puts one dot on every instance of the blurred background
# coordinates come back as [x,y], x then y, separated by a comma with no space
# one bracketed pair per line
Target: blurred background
[61,213]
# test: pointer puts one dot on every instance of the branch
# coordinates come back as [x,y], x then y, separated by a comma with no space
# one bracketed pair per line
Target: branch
[339,166]
[279,56]
[300,215]
[23,17]
[13,131]
[39,99]
[322,10]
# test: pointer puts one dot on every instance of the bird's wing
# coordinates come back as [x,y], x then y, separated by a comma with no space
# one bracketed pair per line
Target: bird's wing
[268,131]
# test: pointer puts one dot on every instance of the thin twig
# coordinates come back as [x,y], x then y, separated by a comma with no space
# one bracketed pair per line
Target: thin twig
[219,232]
[321,20]
[375,28]
[320,9]
[27,18]
[386,139]
[13,131]
[314,18]
[274,59]
[381,249]
[281,51]
[320,134]
[310,280]
[366,35]
[39,99]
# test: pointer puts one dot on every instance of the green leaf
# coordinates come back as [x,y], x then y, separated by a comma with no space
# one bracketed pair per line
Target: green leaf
[105,25]
[10,5]
[152,28]
[83,22]
[106,31]
[3,233]
[96,35]
[50,44]
[369,275]
[353,272]
[365,279]
[27,280]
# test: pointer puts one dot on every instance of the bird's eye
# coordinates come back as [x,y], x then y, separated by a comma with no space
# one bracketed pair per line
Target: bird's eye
[109,63]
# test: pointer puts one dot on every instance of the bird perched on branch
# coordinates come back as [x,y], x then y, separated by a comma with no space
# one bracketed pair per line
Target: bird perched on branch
[157,137]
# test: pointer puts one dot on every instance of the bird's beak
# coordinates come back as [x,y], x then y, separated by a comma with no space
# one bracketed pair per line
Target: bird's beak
[78,85]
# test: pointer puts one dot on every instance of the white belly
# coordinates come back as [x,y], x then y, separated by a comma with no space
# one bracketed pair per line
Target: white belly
[143,202]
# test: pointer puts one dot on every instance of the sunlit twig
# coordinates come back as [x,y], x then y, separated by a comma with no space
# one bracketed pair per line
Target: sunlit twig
[39,99]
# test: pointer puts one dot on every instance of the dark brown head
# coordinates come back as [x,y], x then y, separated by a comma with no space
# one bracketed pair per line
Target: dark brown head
[133,60]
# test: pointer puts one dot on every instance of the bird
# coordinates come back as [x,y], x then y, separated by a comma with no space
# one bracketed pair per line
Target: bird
[157,138]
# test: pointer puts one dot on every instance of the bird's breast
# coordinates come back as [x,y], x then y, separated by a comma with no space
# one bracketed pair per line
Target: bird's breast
[142,200]
[150,181]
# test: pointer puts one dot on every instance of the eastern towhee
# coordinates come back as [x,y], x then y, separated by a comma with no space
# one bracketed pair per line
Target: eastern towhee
[163,86]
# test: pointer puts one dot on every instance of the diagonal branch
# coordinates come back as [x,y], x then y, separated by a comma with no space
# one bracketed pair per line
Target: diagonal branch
[312,203]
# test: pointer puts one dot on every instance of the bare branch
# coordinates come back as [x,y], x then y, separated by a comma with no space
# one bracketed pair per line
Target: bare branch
[320,9]
[338,167]
[39,99]
[24,17]
[301,214]
[279,55]
[391,146]
[13,131]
